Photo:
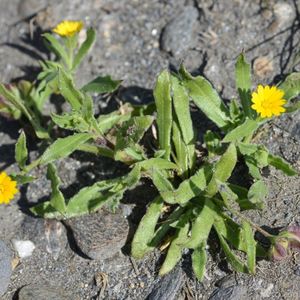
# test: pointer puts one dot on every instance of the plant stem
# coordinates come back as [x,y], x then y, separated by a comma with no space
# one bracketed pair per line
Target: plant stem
[255,226]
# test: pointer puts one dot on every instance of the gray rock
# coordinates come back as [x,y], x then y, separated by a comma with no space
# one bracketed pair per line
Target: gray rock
[168,287]
[100,235]
[42,292]
[235,292]
[177,35]
[5,267]
[28,8]
[48,235]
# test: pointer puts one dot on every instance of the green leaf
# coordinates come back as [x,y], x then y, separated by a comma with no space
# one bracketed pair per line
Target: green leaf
[243,84]
[57,200]
[175,250]
[280,164]
[213,143]
[180,149]
[87,198]
[202,225]
[128,136]
[68,90]
[156,163]
[291,86]
[56,47]
[182,110]
[46,210]
[21,152]
[162,183]
[199,259]
[250,246]
[63,147]
[206,98]
[241,131]
[293,107]
[13,97]
[108,121]
[166,226]
[247,149]
[72,121]
[234,110]
[188,189]
[22,179]
[223,169]
[233,259]
[84,48]
[101,85]
[146,229]
[229,197]
[230,230]
[163,101]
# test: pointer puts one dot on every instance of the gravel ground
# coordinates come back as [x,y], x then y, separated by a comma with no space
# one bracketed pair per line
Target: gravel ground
[135,41]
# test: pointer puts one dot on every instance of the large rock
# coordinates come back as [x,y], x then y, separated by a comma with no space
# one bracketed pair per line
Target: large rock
[5,267]
[100,235]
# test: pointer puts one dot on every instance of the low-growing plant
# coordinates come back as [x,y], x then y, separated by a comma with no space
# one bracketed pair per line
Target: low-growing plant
[196,193]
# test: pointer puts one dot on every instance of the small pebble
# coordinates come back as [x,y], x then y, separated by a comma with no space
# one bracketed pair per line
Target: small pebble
[23,248]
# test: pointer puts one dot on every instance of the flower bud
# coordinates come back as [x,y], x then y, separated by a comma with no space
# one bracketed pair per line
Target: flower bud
[286,241]
[279,249]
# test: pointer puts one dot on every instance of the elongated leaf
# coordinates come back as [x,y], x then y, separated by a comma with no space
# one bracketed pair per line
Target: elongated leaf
[247,149]
[202,225]
[250,246]
[199,259]
[146,229]
[223,169]
[244,130]
[162,183]
[280,164]
[163,101]
[229,197]
[237,264]
[188,189]
[69,91]
[291,86]
[175,250]
[85,47]
[101,85]
[206,98]
[56,46]
[243,83]
[213,143]
[180,149]
[63,147]
[166,226]
[21,152]
[57,200]
[157,163]
[87,198]
[182,110]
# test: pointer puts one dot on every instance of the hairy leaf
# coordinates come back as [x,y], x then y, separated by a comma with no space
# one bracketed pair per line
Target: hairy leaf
[21,152]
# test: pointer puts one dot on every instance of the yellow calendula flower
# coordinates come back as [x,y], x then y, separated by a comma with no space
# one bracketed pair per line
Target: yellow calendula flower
[8,188]
[68,28]
[268,101]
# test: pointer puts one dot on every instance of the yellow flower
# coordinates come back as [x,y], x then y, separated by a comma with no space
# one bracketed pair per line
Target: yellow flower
[8,188]
[268,101]
[68,28]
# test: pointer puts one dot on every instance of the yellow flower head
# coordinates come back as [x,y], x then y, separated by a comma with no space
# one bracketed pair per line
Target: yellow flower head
[8,188]
[68,28]
[268,101]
